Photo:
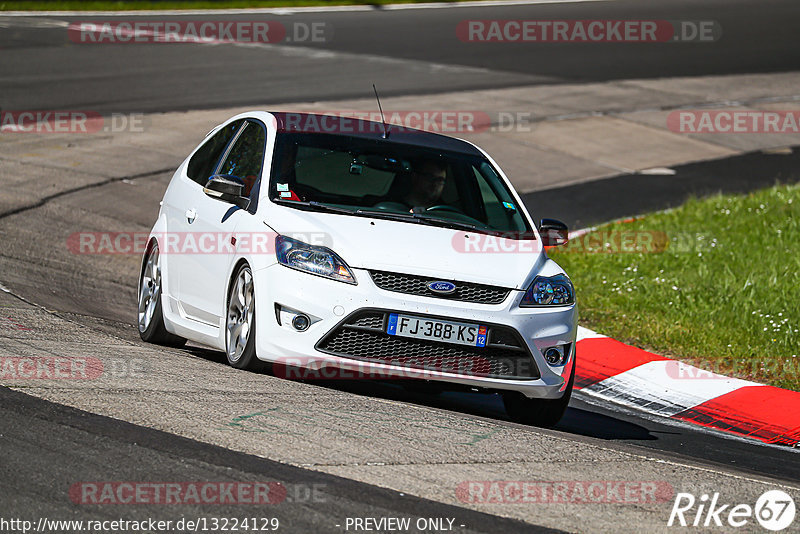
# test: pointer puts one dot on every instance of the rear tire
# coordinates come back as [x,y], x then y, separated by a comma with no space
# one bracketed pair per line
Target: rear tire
[240,322]
[150,315]
[538,412]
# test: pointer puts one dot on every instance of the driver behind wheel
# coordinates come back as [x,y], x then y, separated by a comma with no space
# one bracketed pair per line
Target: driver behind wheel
[427,183]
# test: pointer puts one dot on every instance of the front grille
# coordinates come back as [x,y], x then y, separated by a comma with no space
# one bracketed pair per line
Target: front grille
[369,320]
[362,336]
[418,285]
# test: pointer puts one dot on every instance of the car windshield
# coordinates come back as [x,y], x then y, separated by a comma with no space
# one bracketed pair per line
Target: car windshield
[381,178]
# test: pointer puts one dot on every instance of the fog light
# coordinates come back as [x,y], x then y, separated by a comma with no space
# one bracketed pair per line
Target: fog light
[554,355]
[300,322]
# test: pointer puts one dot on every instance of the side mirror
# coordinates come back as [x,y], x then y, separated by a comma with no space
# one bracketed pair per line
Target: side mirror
[554,233]
[227,188]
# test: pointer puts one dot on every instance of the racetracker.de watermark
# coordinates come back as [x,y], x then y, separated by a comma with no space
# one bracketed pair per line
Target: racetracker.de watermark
[70,122]
[198,32]
[398,367]
[594,242]
[564,492]
[71,368]
[9,323]
[587,31]
[257,493]
[405,121]
[112,243]
[784,368]
[49,368]
[734,121]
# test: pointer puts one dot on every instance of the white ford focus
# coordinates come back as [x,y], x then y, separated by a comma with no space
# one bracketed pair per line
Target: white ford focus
[316,242]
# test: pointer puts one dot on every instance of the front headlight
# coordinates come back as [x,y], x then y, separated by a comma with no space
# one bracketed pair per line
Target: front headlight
[312,259]
[549,291]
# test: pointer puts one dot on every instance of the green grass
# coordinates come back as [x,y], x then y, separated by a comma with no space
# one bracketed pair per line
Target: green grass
[120,5]
[724,294]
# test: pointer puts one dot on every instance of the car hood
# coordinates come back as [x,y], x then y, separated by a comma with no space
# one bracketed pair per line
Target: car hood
[380,244]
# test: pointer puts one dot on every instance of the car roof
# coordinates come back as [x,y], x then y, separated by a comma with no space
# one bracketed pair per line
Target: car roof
[296,122]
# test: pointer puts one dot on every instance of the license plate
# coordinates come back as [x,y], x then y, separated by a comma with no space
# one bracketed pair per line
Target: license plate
[470,334]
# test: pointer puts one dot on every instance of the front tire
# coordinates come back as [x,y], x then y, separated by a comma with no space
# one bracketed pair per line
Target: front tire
[240,322]
[150,315]
[538,412]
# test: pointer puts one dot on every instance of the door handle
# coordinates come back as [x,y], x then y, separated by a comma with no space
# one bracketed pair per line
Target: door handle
[191,215]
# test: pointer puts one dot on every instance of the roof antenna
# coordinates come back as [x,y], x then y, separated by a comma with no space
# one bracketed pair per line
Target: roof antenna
[383,120]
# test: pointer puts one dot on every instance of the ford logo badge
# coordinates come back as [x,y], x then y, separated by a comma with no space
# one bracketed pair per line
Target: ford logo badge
[442,288]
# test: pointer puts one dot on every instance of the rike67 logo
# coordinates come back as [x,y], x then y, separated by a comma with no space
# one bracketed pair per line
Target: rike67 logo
[774,510]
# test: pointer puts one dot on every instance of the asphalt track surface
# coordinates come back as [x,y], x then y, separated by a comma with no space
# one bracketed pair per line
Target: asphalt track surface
[78,445]
[81,287]
[45,450]
[46,447]
[403,52]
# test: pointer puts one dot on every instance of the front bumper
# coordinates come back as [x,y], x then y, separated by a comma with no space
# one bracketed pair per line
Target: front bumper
[328,303]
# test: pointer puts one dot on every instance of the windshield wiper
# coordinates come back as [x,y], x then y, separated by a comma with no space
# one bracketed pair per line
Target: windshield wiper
[447,222]
[319,206]
[416,217]
[387,214]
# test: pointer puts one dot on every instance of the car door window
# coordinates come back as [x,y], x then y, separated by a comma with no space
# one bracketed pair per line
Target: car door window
[201,165]
[246,156]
